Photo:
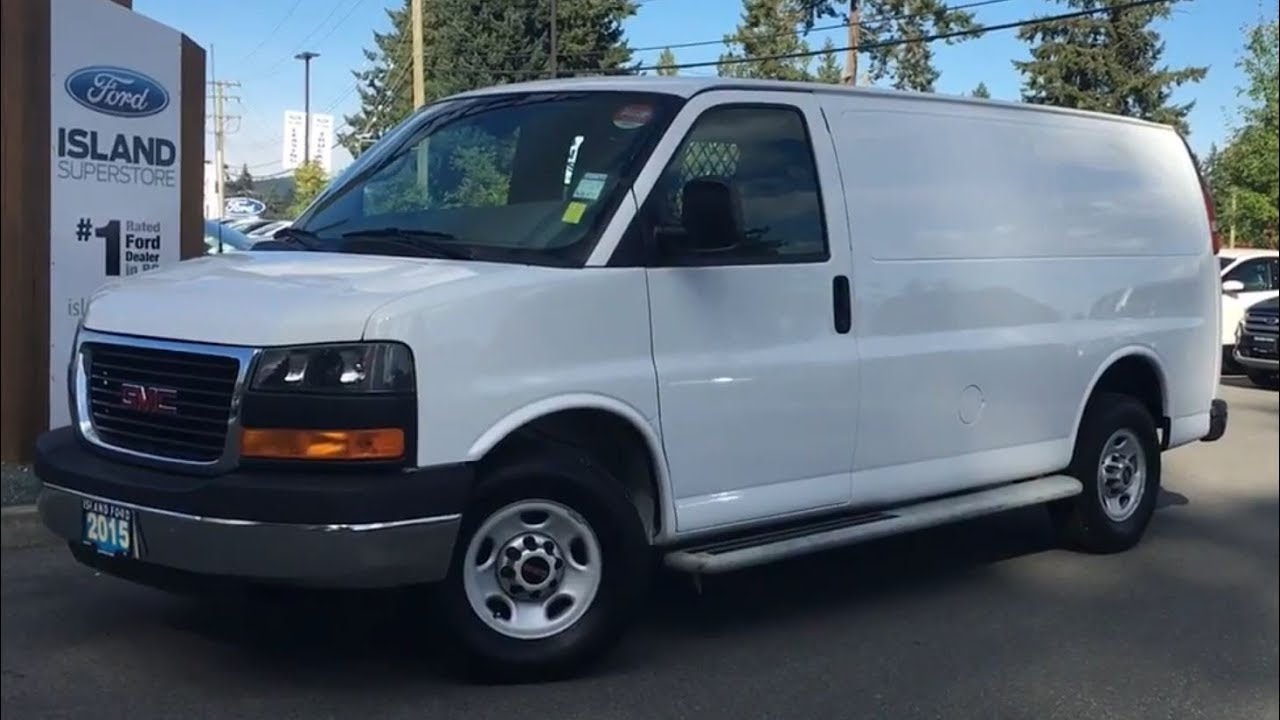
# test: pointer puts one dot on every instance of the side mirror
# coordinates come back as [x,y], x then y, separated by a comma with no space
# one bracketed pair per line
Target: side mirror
[1231,287]
[711,216]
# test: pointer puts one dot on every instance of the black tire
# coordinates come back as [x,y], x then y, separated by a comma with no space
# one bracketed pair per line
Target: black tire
[1081,521]
[570,478]
[1263,379]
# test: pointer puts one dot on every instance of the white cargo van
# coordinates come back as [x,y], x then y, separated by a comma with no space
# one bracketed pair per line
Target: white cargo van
[758,320]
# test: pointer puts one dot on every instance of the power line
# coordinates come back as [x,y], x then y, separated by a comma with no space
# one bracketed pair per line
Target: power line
[275,67]
[271,33]
[873,20]
[354,6]
[902,41]
[526,72]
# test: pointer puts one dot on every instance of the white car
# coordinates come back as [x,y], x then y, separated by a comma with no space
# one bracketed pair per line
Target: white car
[1248,277]
[763,319]
[269,229]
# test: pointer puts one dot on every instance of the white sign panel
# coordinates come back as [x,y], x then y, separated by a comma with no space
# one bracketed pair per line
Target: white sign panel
[322,141]
[295,122]
[115,113]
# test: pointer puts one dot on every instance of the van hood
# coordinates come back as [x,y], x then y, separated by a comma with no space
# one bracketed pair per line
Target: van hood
[269,298]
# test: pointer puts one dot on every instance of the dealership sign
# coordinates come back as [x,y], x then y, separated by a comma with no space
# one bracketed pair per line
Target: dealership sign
[243,207]
[114,188]
[117,91]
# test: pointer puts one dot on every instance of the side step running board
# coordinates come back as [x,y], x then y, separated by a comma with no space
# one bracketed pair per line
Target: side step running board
[768,546]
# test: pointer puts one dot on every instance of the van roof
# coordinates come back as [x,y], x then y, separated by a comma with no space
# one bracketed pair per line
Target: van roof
[1237,253]
[687,87]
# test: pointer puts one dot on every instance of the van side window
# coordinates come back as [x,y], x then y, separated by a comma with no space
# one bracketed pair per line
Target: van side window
[1257,275]
[764,154]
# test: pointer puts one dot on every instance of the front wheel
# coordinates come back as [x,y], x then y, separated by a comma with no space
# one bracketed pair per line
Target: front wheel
[548,567]
[1117,458]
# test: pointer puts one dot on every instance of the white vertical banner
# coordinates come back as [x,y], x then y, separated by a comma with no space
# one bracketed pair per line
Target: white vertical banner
[295,140]
[322,141]
[294,124]
[115,111]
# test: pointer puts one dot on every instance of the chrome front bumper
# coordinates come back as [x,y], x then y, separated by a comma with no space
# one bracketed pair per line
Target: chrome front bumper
[1256,363]
[369,555]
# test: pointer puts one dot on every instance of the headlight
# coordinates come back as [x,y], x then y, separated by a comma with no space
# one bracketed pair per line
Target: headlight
[355,367]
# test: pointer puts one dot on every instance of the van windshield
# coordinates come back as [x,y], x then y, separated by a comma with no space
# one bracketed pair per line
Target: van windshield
[529,178]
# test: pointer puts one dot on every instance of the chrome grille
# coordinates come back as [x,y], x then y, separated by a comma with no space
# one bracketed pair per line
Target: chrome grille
[1262,322]
[160,402]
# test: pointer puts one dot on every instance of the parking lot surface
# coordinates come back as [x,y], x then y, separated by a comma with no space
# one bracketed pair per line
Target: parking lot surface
[984,619]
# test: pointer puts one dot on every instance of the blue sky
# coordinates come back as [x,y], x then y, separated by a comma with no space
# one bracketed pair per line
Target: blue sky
[254,41]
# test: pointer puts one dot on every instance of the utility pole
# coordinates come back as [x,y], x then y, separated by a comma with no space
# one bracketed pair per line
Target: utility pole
[1231,232]
[419,86]
[306,57]
[851,55]
[552,64]
[220,130]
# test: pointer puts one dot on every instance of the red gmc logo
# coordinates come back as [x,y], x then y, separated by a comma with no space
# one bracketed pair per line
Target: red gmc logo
[147,399]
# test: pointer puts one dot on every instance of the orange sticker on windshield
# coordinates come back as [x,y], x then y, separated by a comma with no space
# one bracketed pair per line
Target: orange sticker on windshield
[630,117]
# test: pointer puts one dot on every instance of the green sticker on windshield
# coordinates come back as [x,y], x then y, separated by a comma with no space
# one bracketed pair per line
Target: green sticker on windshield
[590,186]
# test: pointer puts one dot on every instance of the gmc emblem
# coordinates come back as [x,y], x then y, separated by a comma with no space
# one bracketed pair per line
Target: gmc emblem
[147,399]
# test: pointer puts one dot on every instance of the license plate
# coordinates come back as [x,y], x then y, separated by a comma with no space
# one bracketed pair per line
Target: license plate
[109,529]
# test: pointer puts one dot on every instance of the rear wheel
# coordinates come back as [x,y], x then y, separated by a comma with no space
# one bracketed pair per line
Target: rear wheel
[548,567]
[1117,458]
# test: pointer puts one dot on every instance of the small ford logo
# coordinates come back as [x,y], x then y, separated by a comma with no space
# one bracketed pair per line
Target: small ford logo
[116,91]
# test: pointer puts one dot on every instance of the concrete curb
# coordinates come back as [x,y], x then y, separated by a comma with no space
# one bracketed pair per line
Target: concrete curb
[20,527]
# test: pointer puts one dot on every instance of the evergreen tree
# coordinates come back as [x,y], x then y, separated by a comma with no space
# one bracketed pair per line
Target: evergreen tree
[242,184]
[308,181]
[1245,174]
[1108,62]
[829,68]
[469,44]
[909,65]
[981,91]
[667,62]
[768,28]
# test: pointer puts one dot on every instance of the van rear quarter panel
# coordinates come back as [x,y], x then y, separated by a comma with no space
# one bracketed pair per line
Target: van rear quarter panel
[1002,256]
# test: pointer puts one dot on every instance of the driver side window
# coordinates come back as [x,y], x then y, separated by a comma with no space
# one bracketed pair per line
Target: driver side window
[1256,275]
[763,154]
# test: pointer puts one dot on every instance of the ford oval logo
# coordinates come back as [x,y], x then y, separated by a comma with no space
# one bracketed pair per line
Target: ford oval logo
[117,91]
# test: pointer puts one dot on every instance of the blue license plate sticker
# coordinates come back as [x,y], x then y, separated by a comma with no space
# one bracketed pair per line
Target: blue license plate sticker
[109,528]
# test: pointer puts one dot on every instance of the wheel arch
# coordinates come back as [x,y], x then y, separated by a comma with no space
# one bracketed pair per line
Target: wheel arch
[618,435]
[1137,371]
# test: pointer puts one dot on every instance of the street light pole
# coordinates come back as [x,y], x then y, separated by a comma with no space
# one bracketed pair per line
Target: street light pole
[306,57]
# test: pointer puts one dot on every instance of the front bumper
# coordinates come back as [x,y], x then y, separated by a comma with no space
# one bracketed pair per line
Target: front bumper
[285,527]
[1256,363]
[1255,351]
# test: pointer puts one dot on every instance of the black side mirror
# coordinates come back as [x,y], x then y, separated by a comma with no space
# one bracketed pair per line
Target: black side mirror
[711,216]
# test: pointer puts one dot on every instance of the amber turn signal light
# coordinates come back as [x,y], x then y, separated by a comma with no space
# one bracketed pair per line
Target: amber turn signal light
[280,444]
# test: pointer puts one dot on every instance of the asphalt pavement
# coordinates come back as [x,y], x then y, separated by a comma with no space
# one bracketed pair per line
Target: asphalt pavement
[981,620]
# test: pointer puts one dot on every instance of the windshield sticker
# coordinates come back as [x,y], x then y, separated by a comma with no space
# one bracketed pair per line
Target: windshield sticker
[573,213]
[590,186]
[630,117]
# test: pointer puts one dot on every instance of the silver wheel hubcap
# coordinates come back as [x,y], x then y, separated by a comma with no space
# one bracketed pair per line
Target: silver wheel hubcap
[533,568]
[1122,475]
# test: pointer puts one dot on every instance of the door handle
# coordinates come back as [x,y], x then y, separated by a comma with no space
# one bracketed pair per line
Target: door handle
[841,304]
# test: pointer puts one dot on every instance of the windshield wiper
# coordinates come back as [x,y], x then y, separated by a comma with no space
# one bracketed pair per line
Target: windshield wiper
[429,243]
[297,236]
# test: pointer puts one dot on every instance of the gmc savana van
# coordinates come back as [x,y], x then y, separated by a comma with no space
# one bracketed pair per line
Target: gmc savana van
[543,333]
